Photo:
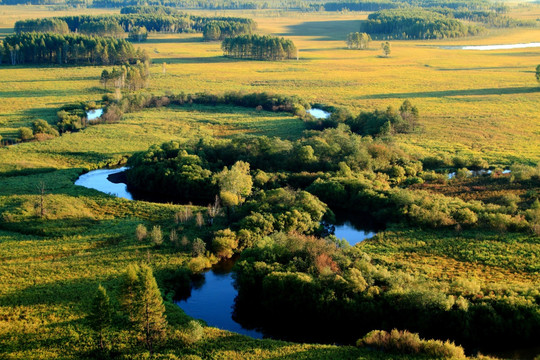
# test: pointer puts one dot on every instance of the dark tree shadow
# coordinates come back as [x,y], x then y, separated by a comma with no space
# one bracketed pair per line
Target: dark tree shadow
[447,93]
[324,30]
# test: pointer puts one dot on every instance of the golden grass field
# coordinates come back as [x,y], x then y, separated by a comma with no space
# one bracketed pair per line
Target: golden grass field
[471,102]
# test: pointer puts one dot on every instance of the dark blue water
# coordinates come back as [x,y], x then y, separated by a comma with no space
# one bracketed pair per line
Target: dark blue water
[212,300]
[212,297]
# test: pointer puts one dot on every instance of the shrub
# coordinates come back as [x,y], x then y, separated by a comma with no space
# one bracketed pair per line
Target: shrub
[25,134]
[192,333]
[42,127]
[199,264]
[404,342]
[224,243]
[141,232]
[156,235]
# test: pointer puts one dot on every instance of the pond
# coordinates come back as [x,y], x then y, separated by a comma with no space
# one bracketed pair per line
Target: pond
[350,232]
[493,47]
[93,115]
[212,299]
[101,180]
[318,113]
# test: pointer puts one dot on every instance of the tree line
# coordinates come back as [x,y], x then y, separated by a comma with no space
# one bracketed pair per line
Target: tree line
[416,24]
[376,5]
[259,47]
[50,48]
[53,25]
[488,17]
[114,25]
[219,30]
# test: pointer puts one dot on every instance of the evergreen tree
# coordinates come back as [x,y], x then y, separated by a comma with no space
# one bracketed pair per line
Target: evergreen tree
[100,315]
[129,289]
[148,309]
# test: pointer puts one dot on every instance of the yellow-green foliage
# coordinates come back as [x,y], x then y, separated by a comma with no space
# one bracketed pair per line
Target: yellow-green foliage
[404,342]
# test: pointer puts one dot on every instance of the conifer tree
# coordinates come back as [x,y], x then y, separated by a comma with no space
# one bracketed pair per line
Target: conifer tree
[100,315]
[148,309]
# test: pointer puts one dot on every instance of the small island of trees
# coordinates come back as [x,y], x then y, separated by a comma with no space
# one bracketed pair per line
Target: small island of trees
[416,24]
[358,40]
[259,47]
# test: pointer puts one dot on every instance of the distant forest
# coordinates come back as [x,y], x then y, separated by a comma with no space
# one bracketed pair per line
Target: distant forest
[49,48]
[152,18]
[416,24]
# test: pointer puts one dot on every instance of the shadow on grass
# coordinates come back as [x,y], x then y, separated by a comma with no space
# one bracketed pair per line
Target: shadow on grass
[324,30]
[171,41]
[469,92]
[496,68]
[519,54]
[43,93]
[238,343]
[196,60]
[77,78]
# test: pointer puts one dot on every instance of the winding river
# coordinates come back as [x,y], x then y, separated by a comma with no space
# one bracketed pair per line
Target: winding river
[213,296]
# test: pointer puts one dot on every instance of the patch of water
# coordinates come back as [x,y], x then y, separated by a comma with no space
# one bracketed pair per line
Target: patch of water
[350,233]
[493,47]
[318,113]
[475,173]
[93,115]
[213,302]
[98,180]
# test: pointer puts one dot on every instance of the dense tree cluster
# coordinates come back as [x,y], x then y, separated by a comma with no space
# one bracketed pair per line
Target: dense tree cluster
[358,40]
[259,47]
[416,24]
[373,123]
[103,27]
[387,122]
[160,20]
[42,25]
[186,4]
[138,34]
[361,5]
[487,17]
[315,286]
[219,30]
[131,77]
[49,48]
[376,5]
